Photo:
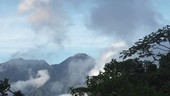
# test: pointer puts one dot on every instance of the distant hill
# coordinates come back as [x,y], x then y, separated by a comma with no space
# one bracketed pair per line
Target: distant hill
[38,78]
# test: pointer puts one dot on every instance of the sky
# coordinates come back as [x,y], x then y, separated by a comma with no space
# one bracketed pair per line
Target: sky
[53,30]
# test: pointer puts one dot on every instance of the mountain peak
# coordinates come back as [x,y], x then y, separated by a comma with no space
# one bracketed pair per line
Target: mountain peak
[71,72]
[81,55]
[21,61]
[16,59]
[78,56]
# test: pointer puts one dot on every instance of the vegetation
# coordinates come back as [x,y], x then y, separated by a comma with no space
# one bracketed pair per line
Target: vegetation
[5,89]
[137,76]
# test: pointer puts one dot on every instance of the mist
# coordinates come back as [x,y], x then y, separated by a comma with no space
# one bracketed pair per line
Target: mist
[107,56]
[33,83]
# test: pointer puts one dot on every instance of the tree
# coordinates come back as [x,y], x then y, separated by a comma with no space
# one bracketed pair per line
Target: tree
[137,76]
[151,45]
[126,78]
[5,89]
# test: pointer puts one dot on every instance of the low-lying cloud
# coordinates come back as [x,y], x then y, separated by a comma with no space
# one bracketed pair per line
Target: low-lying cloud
[65,95]
[33,83]
[110,53]
[78,71]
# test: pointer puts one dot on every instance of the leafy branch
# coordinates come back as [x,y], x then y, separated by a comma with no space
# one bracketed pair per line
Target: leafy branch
[146,47]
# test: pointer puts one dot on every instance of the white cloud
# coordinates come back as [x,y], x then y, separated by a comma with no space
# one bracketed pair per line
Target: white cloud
[29,5]
[41,78]
[65,95]
[26,5]
[47,18]
[87,40]
[109,53]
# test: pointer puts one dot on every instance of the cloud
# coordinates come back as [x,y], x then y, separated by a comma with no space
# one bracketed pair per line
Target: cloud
[47,17]
[41,78]
[26,5]
[38,51]
[109,17]
[65,95]
[106,56]
[47,20]
[78,70]
[57,87]
[50,20]
[123,19]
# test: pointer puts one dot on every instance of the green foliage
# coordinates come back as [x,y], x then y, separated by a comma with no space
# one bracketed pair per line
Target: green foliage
[135,77]
[5,89]
[127,78]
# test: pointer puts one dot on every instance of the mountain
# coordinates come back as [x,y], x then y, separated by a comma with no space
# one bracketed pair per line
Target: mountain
[19,69]
[38,78]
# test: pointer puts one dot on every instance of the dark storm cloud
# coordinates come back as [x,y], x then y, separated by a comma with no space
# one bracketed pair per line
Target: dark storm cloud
[123,18]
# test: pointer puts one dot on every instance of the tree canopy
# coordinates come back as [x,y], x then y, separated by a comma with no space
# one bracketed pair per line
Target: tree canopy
[133,76]
[152,45]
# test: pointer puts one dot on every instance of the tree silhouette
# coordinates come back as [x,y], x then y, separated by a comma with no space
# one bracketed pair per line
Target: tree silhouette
[156,41]
[5,89]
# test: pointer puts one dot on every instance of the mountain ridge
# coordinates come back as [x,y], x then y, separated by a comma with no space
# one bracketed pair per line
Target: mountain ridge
[78,55]
[70,72]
